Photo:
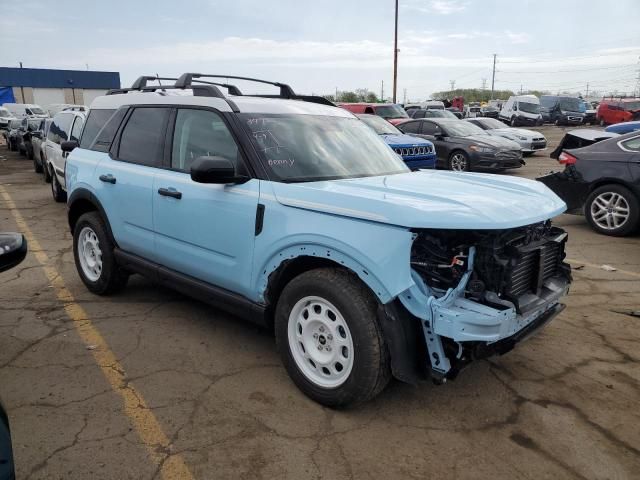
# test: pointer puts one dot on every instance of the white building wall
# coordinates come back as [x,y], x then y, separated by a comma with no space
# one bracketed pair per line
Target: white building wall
[48,96]
[91,95]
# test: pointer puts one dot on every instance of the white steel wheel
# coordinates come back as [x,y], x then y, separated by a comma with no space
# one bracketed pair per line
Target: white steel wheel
[320,342]
[89,254]
[459,162]
[610,210]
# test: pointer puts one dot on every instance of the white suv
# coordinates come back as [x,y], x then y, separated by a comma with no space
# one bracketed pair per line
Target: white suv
[66,125]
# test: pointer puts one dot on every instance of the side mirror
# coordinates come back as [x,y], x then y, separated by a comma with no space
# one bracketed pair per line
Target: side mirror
[515,107]
[68,145]
[13,249]
[217,170]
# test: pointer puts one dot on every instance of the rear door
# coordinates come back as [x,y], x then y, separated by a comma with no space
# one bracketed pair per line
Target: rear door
[124,178]
[205,231]
[74,134]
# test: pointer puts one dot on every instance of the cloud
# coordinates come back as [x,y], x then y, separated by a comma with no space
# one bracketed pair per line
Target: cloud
[440,7]
[517,37]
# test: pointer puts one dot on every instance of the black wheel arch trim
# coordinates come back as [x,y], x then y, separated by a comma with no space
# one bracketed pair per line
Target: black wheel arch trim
[85,194]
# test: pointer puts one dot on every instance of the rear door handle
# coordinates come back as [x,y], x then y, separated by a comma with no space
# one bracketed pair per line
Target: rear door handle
[170,193]
[108,179]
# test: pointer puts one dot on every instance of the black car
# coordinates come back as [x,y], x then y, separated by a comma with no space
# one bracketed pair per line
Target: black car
[13,135]
[603,181]
[489,112]
[29,128]
[455,111]
[462,146]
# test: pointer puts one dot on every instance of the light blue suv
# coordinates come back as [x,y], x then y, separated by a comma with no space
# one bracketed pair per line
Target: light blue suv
[294,214]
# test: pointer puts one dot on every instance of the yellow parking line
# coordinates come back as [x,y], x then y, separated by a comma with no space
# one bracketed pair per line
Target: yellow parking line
[599,267]
[142,419]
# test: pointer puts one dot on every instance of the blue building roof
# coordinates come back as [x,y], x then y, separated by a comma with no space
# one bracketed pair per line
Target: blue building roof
[47,78]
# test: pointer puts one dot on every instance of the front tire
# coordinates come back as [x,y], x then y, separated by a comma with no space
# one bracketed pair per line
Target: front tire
[459,162]
[59,195]
[94,258]
[612,210]
[329,339]
[47,171]
[513,121]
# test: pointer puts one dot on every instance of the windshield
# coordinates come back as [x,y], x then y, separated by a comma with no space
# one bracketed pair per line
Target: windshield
[36,110]
[631,105]
[462,129]
[306,148]
[391,111]
[15,123]
[437,114]
[570,104]
[529,107]
[489,109]
[33,124]
[379,125]
[492,123]
[447,114]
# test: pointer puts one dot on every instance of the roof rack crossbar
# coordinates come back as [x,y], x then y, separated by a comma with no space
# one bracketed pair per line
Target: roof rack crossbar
[142,81]
[185,79]
[233,90]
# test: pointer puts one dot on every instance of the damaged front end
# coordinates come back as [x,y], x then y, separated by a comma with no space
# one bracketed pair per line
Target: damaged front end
[478,293]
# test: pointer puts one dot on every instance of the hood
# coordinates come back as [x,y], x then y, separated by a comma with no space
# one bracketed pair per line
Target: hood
[523,132]
[429,199]
[404,140]
[493,141]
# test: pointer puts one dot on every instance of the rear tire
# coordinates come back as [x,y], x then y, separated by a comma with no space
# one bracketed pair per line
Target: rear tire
[329,338]
[37,166]
[94,258]
[59,195]
[612,210]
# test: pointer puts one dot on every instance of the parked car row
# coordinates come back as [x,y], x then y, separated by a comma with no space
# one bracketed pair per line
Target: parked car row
[364,269]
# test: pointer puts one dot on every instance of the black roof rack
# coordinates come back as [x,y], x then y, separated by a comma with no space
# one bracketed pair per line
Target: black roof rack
[141,82]
[286,91]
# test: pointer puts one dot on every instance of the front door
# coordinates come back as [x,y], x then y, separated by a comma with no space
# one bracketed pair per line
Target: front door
[203,230]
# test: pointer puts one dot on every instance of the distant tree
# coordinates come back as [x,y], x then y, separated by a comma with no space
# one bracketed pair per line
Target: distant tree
[371,98]
[471,94]
[348,97]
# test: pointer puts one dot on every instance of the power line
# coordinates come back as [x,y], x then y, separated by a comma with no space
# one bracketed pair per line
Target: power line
[566,71]
[578,57]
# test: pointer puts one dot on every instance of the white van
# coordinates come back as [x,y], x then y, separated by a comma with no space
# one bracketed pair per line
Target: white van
[22,110]
[521,110]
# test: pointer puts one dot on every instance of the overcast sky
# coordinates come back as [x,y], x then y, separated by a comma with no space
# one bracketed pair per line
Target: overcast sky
[317,46]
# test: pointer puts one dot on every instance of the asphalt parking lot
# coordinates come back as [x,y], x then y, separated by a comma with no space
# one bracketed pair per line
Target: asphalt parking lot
[151,384]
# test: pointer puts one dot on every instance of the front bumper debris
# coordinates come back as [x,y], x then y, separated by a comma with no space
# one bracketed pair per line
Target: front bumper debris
[478,330]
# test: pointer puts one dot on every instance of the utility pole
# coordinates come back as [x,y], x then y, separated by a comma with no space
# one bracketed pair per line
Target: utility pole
[404,96]
[493,76]
[453,84]
[484,84]
[520,89]
[336,97]
[395,56]
[382,92]
[586,95]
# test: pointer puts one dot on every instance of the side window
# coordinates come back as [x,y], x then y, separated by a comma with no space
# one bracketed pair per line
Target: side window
[419,114]
[430,128]
[632,144]
[411,127]
[60,127]
[142,139]
[76,130]
[95,121]
[200,133]
[52,136]
[105,132]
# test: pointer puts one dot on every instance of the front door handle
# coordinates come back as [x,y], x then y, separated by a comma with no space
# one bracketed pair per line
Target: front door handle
[108,179]
[170,193]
